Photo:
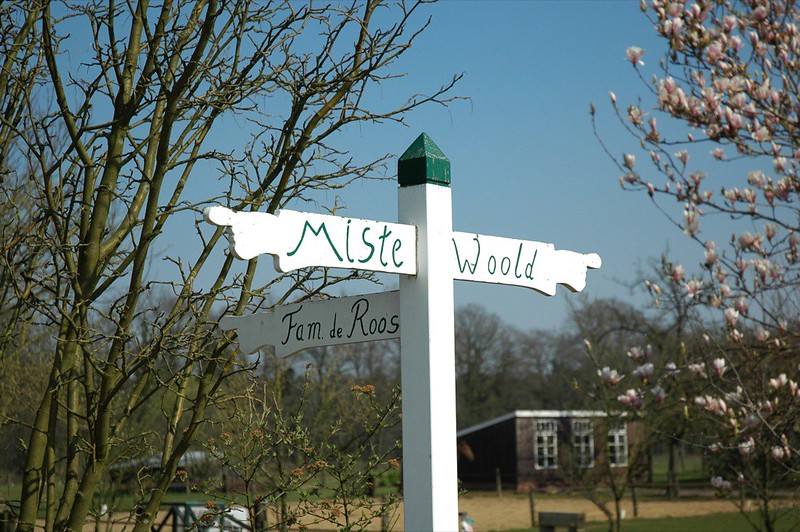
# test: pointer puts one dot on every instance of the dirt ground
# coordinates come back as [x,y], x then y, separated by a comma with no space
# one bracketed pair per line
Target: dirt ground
[509,512]
[492,513]
[512,511]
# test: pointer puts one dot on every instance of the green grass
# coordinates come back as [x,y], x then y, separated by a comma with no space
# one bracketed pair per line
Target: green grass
[688,469]
[719,522]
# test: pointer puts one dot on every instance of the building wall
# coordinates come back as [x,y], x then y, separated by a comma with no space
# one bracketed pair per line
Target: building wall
[493,448]
[527,472]
[510,445]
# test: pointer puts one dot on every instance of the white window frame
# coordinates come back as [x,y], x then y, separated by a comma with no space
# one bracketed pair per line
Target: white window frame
[545,444]
[618,444]
[583,442]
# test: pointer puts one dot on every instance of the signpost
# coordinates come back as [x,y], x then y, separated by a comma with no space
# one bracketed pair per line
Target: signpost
[428,255]
[345,320]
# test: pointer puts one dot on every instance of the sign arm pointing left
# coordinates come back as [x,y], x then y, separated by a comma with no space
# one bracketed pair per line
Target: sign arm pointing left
[301,239]
[246,230]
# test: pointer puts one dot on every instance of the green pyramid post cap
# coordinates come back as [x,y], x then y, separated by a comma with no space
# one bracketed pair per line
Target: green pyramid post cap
[423,162]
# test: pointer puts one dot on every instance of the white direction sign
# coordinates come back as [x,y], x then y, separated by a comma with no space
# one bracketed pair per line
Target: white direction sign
[345,320]
[493,259]
[301,239]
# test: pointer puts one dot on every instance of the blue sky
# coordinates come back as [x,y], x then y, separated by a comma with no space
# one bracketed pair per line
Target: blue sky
[525,163]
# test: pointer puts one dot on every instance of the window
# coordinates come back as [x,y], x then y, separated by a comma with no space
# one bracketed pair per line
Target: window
[583,442]
[618,444]
[546,451]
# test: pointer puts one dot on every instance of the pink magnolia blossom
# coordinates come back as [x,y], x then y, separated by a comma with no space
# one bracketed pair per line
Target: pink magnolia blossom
[730,22]
[756,178]
[632,399]
[778,453]
[762,134]
[635,54]
[693,287]
[778,382]
[762,335]
[691,219]
[659,394]
[725,291]
[714,52]
[770,230]
[710,253]
[712,404]
[763,268]
[719,366]
[742,265]
[635,115]
[698,369]
[746,447]
[644,372]
[735,395]
[749,241]
[741,306]
[610,377]
[653,288]
[677,273]
[731,316]
[636,354]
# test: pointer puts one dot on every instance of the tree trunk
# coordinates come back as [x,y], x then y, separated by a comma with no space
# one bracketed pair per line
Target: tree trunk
[672,479]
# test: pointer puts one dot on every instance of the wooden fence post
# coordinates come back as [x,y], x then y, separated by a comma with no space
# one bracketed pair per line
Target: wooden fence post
[532,504]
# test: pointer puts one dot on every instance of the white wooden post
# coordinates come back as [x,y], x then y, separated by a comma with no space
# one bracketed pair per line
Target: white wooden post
[427,343]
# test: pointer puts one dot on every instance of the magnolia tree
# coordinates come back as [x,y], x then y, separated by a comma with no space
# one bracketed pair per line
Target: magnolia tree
[730,76]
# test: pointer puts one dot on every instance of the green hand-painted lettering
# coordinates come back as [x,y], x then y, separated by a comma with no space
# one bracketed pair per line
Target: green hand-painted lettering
[320,229]
[472,267]
[371,247]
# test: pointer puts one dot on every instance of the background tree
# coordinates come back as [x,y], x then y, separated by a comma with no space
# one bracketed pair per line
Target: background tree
[113,147]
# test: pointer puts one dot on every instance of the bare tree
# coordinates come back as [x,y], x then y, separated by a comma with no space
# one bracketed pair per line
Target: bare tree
[113,127]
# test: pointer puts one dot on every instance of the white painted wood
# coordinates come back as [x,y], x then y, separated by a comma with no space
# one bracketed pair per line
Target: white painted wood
[430,487]
[536,265]
[345,320]
[300,239]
